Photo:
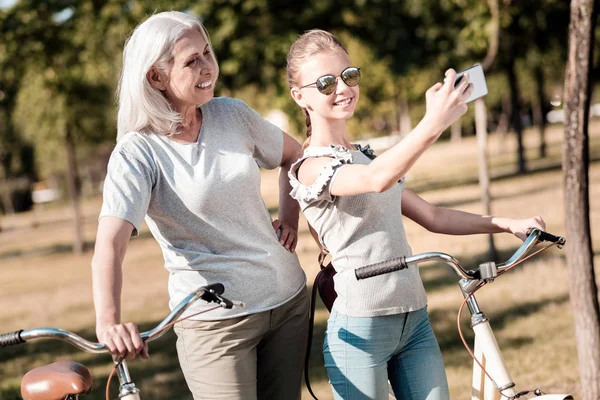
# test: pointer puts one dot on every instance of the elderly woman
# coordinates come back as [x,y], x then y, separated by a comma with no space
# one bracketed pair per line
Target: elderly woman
[189,164]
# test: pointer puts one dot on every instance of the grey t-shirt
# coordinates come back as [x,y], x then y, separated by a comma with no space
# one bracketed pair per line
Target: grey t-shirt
[360,230]
[202,203]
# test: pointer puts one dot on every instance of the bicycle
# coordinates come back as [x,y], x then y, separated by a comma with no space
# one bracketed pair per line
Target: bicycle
[67,380]
[491,377]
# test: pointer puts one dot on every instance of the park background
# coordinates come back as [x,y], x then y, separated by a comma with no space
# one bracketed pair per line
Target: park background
[59,63]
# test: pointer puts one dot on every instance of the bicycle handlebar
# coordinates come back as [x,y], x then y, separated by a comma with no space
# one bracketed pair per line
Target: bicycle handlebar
[534,236]
[210,293]
[548,237]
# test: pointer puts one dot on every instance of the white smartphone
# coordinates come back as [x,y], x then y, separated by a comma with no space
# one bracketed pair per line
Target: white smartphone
[477,78]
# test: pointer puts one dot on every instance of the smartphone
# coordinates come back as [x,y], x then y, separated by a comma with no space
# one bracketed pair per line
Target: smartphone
[477,78]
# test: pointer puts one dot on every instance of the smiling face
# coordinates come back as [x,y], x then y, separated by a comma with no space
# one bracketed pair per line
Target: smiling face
[192,73]
[338,105]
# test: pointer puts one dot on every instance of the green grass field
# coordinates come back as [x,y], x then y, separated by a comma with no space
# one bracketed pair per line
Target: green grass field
[43,284]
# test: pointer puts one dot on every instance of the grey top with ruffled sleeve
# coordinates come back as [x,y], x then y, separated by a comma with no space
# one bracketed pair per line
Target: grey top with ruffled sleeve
[360,230]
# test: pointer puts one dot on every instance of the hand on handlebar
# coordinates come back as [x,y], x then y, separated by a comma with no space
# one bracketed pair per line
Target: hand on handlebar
[519,227]
[123,340]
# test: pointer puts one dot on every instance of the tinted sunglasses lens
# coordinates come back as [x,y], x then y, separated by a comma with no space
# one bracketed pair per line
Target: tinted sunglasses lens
[326,84]
[351,76]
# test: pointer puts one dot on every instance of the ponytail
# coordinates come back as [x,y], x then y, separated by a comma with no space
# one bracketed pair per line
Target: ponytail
[308,129]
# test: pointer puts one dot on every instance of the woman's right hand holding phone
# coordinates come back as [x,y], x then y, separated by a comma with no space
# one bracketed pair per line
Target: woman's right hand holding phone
[446,102]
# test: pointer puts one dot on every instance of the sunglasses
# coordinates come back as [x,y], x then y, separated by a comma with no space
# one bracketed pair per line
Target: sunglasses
[328,83]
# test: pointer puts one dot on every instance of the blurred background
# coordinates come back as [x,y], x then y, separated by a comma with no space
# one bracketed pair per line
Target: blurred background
[60,62]
[59,68]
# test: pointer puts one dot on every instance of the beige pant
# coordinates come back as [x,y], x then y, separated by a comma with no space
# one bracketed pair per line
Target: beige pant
[258,356]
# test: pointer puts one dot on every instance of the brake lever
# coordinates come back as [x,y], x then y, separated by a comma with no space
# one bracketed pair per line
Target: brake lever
[213,295]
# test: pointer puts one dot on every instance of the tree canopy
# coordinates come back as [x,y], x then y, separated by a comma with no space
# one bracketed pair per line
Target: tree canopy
[60,59]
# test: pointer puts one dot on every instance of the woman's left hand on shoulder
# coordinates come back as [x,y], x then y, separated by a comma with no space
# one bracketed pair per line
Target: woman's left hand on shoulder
[519,227]
[288,237]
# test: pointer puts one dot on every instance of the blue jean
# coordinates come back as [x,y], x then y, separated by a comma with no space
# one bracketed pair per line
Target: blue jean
[362,353]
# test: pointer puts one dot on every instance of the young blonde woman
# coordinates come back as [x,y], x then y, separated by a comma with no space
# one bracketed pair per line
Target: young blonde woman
[379,328]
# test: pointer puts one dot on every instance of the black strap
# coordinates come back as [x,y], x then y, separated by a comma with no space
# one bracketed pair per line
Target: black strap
[311,320]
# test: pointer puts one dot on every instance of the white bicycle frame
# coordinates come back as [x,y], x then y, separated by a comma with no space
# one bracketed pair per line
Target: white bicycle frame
[489,355]
[486,350]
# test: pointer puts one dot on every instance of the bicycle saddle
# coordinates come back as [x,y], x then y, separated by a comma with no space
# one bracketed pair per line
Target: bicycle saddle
[56,381]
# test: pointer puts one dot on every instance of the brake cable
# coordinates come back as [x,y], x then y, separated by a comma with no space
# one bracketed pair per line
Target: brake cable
[462,306]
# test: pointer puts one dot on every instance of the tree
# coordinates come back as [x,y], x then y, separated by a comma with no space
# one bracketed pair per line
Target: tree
[515,100]
[539,23]
[544,25]
[481,120]
[65,93]
[583,292]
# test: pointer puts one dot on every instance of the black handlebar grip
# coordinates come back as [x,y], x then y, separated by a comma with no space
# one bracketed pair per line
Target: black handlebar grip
[548,237]
[11,339]
[217,288]
[381,268]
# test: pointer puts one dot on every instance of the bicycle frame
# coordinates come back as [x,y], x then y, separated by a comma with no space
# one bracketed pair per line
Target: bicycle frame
[127,388]
[486,349]
[488,353]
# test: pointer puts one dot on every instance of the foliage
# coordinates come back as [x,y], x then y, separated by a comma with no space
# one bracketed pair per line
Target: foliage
[64,82]
[59,59]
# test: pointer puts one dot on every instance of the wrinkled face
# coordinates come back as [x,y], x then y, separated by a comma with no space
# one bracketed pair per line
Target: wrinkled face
[193,72]
[338,105]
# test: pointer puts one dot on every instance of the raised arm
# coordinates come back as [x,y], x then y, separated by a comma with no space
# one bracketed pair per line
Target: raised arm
[107,280]
[445,104]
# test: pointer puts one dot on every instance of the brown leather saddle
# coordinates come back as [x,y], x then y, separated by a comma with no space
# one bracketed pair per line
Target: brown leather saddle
[56,381]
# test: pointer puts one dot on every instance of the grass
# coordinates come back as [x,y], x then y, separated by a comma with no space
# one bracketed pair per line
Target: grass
[43,284]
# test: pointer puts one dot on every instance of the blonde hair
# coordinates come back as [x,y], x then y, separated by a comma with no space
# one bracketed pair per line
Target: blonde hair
[307,45]
[142,107]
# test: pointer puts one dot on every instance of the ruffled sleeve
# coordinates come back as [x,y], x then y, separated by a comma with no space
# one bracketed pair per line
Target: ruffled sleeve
[319,190]
[366,150]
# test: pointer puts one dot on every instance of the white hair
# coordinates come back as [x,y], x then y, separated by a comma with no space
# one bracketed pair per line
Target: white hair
[142,107]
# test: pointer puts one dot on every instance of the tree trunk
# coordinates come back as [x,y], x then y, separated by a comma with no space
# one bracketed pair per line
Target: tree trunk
[5,186]
[403,113]
[516,114]
[505,115]
[583,292]
[481,122]
[456,132]
[72,180]
[484,175]
[494,30]
[5,195]
[538,109]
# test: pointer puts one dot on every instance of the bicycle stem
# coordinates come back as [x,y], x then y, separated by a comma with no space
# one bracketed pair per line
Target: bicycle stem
[470,281]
